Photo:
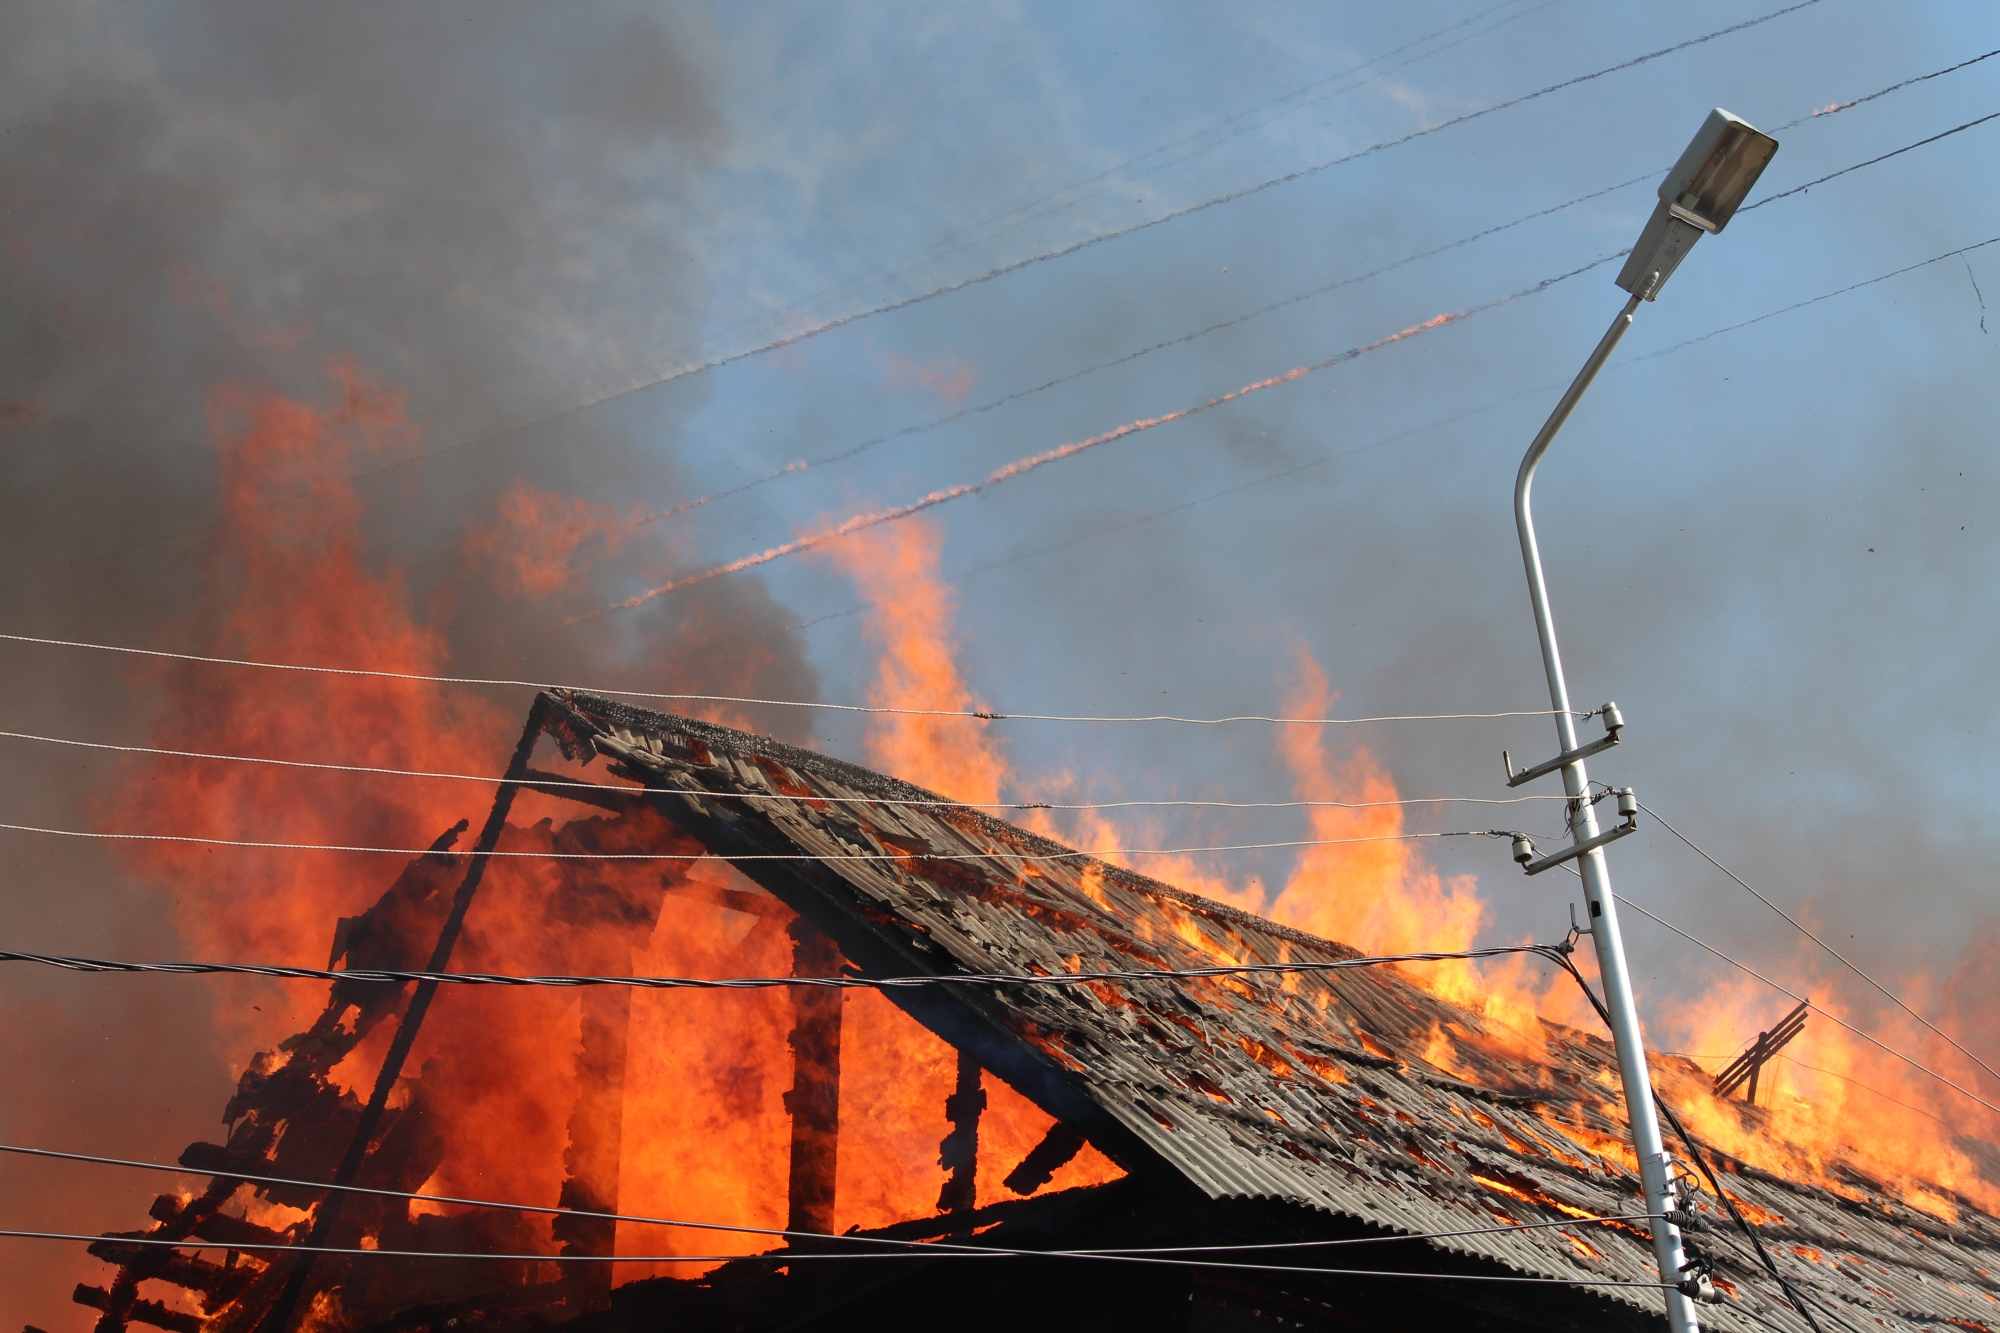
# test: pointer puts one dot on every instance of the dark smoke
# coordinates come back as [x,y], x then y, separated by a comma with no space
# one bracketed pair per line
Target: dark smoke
[480,209]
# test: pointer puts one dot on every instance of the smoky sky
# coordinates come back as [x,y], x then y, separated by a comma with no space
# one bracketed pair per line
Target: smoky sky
[1774,549]
[490,211]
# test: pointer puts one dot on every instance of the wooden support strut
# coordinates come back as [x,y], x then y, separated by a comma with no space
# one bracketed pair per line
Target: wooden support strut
[814,1100]
[1747,1066]
[958,1154]
[329,1210]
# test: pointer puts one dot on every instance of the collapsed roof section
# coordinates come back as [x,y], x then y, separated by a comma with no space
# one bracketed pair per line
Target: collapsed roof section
[1353,1093]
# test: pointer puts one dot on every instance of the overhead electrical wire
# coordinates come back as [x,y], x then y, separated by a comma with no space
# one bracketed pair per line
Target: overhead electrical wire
[829,325]
[963,714]
[988,979]
[1833,1018]
[1809,301]
[1884,92]
[792,1257]
[1027,212]
[852,451]
[1568,965]
[855,450]
[1007,472]
[1832,952]
[1324,459]
[1835,175]
[1015,266]
[49,1154]
[544,784]
[888,857]
[1022,466]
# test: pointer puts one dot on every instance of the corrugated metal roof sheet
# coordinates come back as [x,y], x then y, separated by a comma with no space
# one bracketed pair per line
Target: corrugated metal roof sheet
[1357,1093]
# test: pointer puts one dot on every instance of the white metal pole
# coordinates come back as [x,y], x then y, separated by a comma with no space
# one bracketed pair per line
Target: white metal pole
[1653,1162]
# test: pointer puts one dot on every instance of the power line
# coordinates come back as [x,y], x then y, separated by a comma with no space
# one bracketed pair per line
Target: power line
[864,521]
[542,784]
[890,307]
[989,979]
[1837,956]
[1021,466]
[1324,459]
[1884,92]
[1568,964]
[904,857]
[855,450]
[946,248]
[792,1257]
[1814,300]
[784,1233]
[969,715]
[1799,189]
[1823,1013]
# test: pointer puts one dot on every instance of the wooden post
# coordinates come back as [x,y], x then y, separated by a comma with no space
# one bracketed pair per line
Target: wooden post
[814,1100]
[958,1154]
[328,1212]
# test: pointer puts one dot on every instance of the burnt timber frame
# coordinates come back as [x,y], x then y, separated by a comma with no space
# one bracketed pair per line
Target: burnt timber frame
[1747,1066]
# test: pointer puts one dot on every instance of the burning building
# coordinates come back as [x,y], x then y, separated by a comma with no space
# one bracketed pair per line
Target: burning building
[1290,1149]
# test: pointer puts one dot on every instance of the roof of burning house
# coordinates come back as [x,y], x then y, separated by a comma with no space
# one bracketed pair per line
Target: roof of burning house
[1353,1095]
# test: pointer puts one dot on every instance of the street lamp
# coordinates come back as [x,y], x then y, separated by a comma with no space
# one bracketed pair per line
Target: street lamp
[1699,195]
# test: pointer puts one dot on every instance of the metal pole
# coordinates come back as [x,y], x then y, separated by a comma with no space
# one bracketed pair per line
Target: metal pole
[1596,874]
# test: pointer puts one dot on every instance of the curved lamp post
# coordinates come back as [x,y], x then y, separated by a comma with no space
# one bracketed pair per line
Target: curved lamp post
[1699,195]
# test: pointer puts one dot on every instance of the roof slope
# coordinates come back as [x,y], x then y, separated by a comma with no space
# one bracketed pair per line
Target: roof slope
[1353,1093]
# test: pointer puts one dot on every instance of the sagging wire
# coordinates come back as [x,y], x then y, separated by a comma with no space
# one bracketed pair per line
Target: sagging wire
[544,784]
[893,858]
[1563,960]
[990,979]
[792,1257]
[1834,953]
[968,715]
[50,1154]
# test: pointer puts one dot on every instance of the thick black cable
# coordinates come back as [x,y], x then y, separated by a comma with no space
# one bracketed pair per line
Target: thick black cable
[1569,965]
[992,979]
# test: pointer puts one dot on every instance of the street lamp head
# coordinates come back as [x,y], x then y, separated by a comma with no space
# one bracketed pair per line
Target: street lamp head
[1700,194]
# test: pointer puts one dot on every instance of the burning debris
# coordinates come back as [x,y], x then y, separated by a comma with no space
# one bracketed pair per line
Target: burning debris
[1220,1112]
[1746,1067]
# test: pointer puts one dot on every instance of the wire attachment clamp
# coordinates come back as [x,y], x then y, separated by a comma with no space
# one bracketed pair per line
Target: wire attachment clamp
[1628,810]
[1614,722]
